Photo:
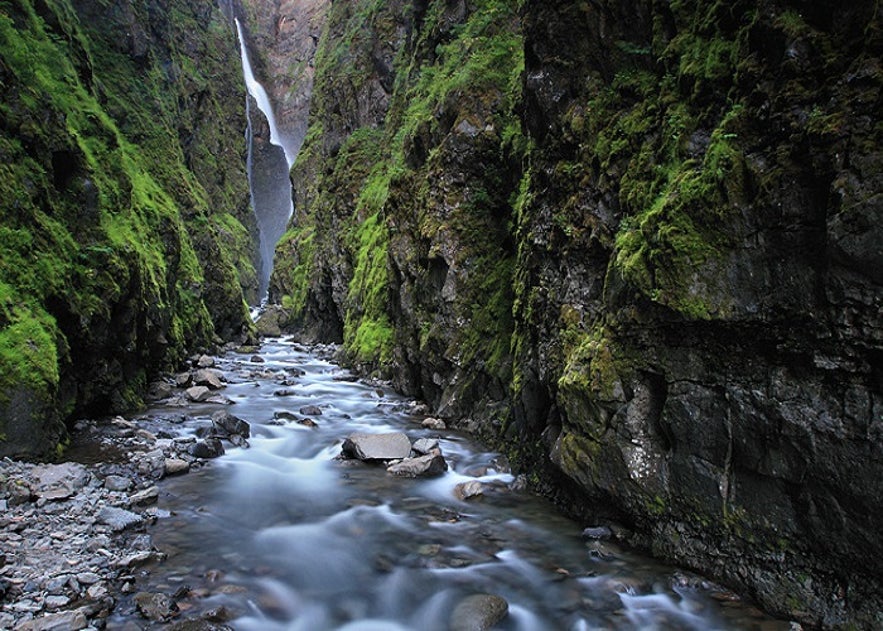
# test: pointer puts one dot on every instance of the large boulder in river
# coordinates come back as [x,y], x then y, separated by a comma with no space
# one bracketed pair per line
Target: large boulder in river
[209,378]
[392,446]
[225,425]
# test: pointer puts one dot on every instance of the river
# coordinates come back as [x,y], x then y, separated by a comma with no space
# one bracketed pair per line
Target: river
[285,536]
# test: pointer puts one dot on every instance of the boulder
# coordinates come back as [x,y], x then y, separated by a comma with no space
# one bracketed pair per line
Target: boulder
[205,361]
[117,483]
[208,448]
[466,490]
[392,446]
[209,378]
[225,424]
[175,466]
[421,466]
[311,410]
[198,394]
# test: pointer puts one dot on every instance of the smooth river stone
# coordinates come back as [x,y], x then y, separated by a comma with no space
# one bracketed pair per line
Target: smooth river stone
[393,446]
[478,612]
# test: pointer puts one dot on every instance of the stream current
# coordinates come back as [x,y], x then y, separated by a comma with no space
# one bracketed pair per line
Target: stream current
[288,537]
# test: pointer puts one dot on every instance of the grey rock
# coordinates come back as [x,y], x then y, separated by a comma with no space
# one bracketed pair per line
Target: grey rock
[55,601]
[184,380]
[433,423]
[144,496]
[61,481]
[597,532]
[466,490]
[478,612]
[88,578]
[424,446]
[62,621]
[311,410]
[117,483]
[174,466]
[159,390]
[422,466]
[198,394]
[392,446]
[205,361]
[208,448]
[225,424]
[209,378]
[119,519]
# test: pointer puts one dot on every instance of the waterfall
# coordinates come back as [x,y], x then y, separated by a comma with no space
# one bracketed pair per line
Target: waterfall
[268,166]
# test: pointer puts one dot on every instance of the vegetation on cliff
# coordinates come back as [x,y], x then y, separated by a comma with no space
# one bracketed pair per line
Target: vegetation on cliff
[121,191]
[666,285]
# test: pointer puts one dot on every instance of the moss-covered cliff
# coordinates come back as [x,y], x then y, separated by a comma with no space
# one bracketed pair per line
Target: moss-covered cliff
[124,197]
[634,240]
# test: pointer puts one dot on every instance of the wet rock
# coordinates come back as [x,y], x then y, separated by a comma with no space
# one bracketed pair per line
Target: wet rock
[155,606]
[174,466]
[205,361]
[434,423]
[208,448]
[256,359]
[466,490]
[308,422]
[392,446]
[208,378]
[597,532]
[311,410]
[225,424]
[117,483]
[284,392]
[119,519]
[198,394]
[424,446]
[198,625]
[422,466]
[288,416]
[478,612]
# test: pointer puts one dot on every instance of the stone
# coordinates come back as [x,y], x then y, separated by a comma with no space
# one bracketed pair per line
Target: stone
[208,448]
[209,378]
[225,424]
[88,578]
[174,466]
[145,496]
[424,446]
[155,606]
[466,490]
[308,422]
[256,359]
[478,612]
[117,483]
[391,446]
[434,423]
[118,518]
[58,482]
[159,390]
[597,532]
[183,380]
[198,394]
[311,410]
[205,361]
[55,601]
[62,621]
[429,465]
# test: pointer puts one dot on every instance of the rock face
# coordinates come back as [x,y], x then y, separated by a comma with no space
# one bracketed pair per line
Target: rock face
[124,228]
[650,256]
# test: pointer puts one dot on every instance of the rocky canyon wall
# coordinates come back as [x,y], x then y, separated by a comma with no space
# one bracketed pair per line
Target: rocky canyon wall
[125,221]
[635,244]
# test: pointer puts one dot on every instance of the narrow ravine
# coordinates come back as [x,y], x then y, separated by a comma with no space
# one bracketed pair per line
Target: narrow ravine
[286,535]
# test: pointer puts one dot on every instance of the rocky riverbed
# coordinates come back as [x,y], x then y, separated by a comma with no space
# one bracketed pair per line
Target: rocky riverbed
[78,540]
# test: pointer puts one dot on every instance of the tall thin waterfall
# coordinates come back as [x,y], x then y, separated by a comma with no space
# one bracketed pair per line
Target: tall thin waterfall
[268,167]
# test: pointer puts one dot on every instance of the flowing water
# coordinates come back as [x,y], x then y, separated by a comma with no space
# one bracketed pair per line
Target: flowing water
[287,536]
